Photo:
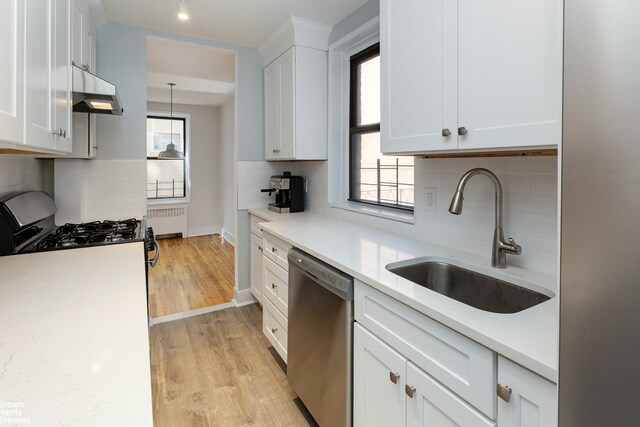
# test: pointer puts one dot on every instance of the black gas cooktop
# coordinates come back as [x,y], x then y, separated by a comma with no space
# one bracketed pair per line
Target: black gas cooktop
[88,234]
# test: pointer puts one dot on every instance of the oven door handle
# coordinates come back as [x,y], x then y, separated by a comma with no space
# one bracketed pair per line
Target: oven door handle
[156,248]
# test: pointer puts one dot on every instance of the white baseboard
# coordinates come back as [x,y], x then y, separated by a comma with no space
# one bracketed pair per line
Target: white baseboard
[190,313]
[203,231]
[243,297]
[226,235]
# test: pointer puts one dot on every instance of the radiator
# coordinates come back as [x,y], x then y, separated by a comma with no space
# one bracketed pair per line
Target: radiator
[168,220]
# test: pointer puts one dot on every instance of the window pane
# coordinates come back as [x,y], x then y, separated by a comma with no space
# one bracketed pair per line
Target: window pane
[377,178]
[369,91]
[159,134]
[165,179]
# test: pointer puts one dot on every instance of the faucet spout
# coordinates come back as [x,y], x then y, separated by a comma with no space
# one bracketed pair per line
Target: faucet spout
[500,247]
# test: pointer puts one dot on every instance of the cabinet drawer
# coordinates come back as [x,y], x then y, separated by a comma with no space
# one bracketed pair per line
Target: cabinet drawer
[275,285]
[462,365]
[274,326]
[255,225]
[276,250]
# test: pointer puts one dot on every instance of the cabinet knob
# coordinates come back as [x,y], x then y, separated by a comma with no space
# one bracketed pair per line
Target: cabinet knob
[446,132]
[274,330]
[393,377]
[504,392]
[274,250]
[409,390]
[274,286]
[462,131]
[260,248]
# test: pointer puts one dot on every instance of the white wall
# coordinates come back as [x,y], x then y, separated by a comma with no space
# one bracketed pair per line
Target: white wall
[227,171]
[205,210]
[18,175]
[530,203]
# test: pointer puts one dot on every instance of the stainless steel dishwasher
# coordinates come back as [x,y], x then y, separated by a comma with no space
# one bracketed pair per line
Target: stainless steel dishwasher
[320,340]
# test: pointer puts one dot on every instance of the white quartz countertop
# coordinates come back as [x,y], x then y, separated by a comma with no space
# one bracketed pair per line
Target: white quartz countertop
[529,337]
[74,343]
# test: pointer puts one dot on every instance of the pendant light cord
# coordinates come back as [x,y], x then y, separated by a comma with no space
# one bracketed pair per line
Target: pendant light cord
[171,85]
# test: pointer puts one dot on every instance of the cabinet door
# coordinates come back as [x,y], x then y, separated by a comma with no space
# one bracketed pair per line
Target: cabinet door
[378,382]
[76,33]
[287,73]
[255,261]
[11,71]
[430,404]
[272,110]
[62,74]
[510,71]
[38,74]
[533,400]
[418,75]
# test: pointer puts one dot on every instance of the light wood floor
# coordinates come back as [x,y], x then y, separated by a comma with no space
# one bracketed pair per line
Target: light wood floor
[216,370]
[191,273]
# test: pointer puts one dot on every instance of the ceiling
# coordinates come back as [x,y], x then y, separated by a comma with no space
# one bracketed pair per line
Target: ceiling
[242,22]
[203,75]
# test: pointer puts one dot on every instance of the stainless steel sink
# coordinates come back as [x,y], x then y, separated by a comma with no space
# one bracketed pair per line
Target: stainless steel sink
[469,287]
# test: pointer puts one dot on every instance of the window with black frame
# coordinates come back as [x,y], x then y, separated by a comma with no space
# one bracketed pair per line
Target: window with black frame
[166,179]
[373,178]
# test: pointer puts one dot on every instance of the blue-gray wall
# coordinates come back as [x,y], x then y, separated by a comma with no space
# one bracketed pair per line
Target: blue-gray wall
[121,52]
[361,16]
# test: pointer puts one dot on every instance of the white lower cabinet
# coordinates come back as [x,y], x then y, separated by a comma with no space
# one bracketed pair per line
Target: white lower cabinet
[255,262]
[409,370]
[391,391]
[275,292]
[532,399]
[378,376]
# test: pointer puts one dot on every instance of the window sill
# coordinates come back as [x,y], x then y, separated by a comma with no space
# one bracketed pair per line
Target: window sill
[180,201]
[377,211]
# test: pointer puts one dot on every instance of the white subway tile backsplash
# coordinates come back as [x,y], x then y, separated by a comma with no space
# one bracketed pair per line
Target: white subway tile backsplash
[17,175]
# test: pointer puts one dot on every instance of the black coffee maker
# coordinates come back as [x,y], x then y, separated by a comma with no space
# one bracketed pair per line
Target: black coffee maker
[289,191]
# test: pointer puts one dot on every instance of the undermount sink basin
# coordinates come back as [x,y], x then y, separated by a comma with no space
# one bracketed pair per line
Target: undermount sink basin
[469,287]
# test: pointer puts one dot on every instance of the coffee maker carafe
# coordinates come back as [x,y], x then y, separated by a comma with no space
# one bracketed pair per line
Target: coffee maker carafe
[289,191]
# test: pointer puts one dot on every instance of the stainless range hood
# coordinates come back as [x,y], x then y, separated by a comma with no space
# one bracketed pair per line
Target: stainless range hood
[91,94]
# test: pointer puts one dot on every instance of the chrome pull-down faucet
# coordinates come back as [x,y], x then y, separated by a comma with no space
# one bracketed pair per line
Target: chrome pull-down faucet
[500,247]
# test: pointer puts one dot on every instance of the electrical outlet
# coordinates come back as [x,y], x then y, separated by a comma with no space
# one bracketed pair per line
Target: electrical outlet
[430,199]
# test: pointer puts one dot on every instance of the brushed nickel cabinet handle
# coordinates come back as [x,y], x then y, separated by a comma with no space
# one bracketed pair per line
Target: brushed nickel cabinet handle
[409,390]
[274,286]
[59,132]
[446,132]
[462,131]
[393,377]
[274,330]
[504,392]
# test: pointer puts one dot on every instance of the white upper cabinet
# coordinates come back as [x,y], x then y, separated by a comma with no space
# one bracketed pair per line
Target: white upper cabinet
[83,42]
[418,75]
[532,400]
[470,75]
[48,75]
[11,71]
[295,91]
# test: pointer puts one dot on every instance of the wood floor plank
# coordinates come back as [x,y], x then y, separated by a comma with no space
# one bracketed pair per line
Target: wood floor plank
[192,273]
[216,370]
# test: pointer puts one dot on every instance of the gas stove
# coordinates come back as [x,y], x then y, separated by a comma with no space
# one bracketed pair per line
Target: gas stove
[88,234]
[27,226]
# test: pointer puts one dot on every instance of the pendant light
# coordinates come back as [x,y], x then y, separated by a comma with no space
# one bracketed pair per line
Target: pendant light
[171,153]
[183,13]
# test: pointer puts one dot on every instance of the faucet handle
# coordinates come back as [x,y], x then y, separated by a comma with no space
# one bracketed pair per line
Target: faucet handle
[515,249]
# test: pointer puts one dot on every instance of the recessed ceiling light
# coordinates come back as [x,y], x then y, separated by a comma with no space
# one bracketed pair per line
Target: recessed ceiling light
[183,13]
